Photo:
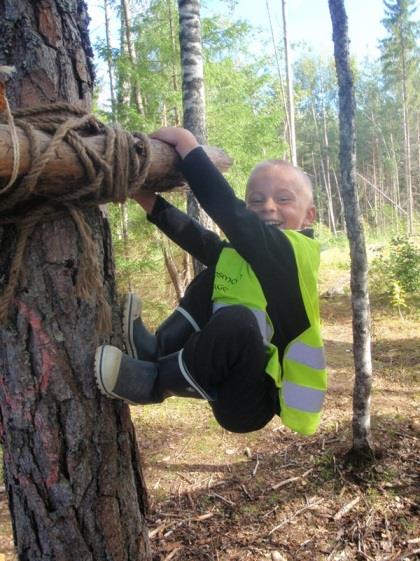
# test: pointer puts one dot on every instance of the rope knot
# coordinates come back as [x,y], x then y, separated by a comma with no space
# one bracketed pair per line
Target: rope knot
[110,177]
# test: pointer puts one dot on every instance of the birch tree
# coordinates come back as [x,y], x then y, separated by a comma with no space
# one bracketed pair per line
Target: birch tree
[193,97]
[359,268]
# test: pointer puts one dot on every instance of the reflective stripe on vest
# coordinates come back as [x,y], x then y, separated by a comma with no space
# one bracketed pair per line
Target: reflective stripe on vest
[265,328]
[310,356]
[302,397]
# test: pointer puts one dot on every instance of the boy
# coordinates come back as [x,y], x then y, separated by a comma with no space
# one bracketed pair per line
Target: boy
[253,349]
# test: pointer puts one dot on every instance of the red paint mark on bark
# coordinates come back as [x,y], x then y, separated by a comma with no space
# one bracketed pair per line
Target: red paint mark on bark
[48,25]
[46,347]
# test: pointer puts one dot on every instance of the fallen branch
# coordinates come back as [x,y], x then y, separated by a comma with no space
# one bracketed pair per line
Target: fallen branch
[295,515]
[291,479]
[346,508]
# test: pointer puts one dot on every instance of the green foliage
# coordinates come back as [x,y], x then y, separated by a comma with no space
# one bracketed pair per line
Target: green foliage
[246,116]
[395,272]
[399,48]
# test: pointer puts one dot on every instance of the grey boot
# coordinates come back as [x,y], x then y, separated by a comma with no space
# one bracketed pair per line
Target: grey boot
[171,335]
[136,381]
[122,377]
[139,342]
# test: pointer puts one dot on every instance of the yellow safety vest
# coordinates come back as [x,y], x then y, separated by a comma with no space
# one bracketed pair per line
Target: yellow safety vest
[300,376]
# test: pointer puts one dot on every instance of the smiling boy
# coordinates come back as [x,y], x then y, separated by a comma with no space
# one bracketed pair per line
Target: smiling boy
[246,335]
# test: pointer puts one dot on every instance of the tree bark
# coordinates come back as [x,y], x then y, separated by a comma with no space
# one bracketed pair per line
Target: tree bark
[359,267]
[193,97]
[71,462]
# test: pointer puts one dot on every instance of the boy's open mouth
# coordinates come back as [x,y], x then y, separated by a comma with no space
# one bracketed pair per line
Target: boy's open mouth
[274,223]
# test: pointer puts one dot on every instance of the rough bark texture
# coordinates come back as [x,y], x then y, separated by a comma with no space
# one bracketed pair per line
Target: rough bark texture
[70,457]
[359,267]
[193,97]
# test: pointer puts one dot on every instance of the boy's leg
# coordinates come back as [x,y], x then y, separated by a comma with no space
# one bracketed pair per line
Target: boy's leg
[143,382]
[193,312]
[171,335]
[229,354]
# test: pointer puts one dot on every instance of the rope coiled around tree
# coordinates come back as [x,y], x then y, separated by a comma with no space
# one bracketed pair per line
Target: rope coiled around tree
[111,177]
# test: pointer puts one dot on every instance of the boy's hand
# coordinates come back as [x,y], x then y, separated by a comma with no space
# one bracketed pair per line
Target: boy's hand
[145,199]
[182,140]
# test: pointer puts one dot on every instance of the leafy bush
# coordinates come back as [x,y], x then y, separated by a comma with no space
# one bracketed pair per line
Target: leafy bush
[396,271]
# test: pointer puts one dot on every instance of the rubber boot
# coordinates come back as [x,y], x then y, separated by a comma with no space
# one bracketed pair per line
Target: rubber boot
[174,379]
[139,342]
[171,335]
[121,377]
[142,382]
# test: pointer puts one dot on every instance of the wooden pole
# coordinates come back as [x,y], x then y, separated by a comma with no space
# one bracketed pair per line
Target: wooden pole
[164,172]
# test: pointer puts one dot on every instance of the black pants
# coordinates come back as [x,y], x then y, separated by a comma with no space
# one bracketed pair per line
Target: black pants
[228,355]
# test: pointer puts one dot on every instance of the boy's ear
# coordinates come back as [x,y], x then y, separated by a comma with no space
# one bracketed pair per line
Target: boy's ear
[310,216]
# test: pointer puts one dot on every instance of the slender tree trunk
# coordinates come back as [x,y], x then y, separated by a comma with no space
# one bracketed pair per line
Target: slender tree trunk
[109,61]
[193,98]
[325,176]
[359,269]
[396,176]
[280,77]
[135,85]
[173,58]
[289,80]
[407,152]
[123,83]
[71,463]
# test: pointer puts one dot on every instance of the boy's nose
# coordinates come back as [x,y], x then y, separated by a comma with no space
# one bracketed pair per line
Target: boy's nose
[270,205]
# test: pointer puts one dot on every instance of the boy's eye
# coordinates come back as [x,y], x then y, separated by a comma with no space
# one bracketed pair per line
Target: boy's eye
[256,200]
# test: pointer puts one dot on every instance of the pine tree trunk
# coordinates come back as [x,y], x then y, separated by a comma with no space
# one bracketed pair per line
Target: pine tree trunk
[71,463]
[359,290]
[193,98]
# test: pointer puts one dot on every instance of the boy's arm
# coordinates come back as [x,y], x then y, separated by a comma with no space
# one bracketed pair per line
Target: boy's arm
[254,240]
[186,232]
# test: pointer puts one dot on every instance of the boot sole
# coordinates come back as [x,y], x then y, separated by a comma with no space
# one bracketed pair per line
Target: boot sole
[132,311]
[107,368]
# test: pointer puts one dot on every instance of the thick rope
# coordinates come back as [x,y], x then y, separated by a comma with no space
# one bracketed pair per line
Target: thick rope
[113,176]
[15,146]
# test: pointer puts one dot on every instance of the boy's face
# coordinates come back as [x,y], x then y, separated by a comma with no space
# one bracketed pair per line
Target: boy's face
[281,196]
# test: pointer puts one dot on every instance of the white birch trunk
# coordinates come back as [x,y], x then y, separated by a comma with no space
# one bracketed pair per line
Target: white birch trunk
[193,97]
[359,268]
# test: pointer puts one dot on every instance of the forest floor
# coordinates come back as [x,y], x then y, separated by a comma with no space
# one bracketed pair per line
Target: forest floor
[216,496]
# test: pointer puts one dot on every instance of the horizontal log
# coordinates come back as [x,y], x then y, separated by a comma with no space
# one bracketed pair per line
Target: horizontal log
[66,168]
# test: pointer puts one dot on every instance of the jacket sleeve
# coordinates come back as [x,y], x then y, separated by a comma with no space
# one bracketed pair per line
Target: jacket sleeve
[186,232]
[258,243]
